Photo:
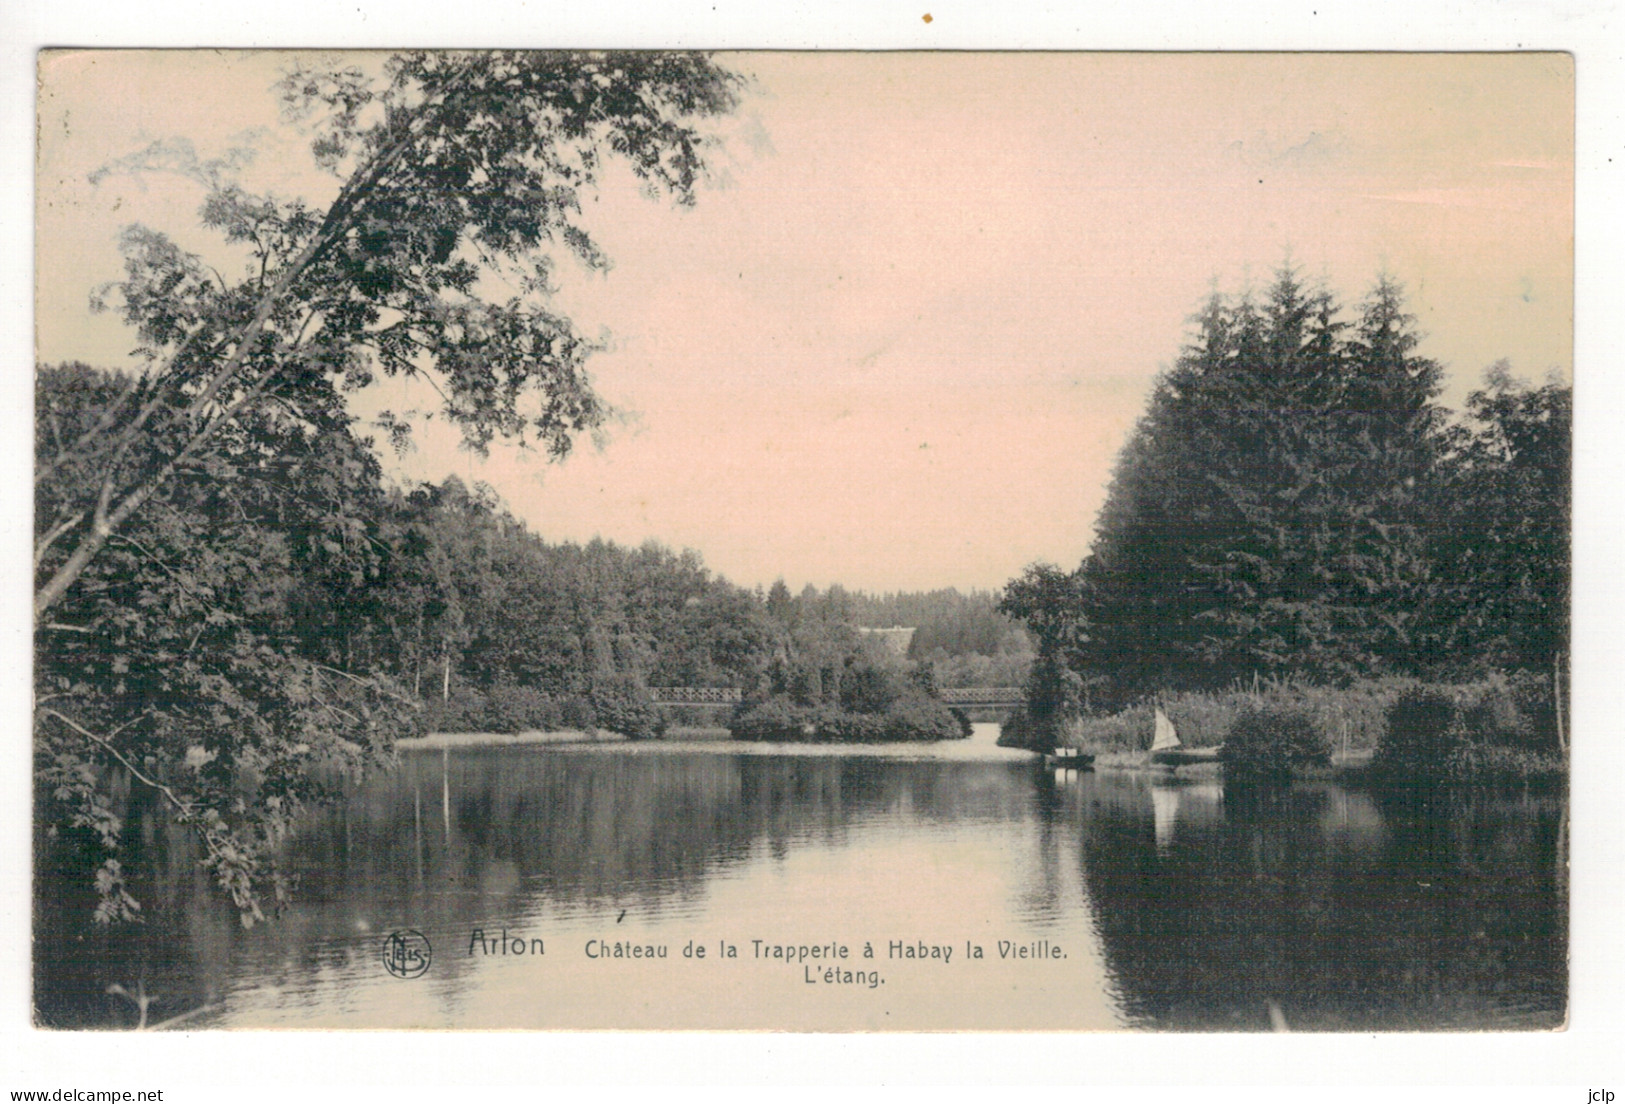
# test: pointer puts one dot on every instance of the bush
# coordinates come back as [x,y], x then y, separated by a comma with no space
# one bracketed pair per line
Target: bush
[696,716]
[576,711]
[1271,741]
[1417,731]
[1018,730]
[837,726]
[623,704]
[505,708]
[1497,763]
[1351,715]
[1423,732]
[1512,710]
[1532,693]
[773,719]
[1021,729]
[510,708]
[1501,728]
[917,717]
[463,712]
[1488,712]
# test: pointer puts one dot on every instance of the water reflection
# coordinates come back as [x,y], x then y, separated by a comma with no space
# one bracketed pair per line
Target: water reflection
[1178,904]
[1348,913]
[1200,803]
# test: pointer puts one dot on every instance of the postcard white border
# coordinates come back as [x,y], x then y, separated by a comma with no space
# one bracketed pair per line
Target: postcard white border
[382,1066]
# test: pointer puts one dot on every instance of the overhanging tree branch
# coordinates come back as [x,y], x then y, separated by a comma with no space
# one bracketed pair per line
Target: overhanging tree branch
[107,517]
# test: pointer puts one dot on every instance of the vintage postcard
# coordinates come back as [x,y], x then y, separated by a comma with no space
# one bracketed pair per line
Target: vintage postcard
[835,542]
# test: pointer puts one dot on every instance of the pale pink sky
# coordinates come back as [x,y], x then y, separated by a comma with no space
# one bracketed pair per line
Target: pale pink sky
[900,341]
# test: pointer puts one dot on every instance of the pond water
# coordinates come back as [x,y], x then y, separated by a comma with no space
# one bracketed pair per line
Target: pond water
[560,887]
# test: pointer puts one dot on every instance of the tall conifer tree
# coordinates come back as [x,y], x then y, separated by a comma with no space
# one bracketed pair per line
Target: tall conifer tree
[1265,515]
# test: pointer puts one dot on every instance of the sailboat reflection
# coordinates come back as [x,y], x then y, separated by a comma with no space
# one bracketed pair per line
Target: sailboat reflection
[1174,800]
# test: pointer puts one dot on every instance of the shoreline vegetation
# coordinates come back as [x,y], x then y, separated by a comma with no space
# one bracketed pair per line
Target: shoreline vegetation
[1502,728]
[829,682]
[438,740]
[545,737]
[1387,732]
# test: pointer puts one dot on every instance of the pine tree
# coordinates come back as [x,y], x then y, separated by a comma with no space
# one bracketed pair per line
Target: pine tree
[1265,516]
[1502,538]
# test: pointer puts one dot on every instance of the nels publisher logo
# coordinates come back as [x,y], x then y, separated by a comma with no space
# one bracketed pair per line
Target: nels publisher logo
[406,953]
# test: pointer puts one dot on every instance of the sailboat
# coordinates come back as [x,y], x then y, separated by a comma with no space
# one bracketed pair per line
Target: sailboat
[1168,751]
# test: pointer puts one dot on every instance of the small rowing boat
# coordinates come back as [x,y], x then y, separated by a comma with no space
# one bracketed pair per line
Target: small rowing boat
[1168,751]
[1069,758]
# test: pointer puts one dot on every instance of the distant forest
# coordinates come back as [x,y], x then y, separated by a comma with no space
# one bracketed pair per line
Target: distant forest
[964,636]
[437,588]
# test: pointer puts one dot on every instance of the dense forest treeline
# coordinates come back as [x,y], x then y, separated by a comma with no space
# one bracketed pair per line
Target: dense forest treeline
[275,620]
[443,591]
[1297,506]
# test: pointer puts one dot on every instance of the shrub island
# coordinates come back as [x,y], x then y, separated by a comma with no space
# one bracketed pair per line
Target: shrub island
[618,704]
[911,717]
[865,701]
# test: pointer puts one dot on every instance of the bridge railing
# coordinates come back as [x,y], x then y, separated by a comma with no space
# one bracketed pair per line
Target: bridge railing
[983,695]
[696,695]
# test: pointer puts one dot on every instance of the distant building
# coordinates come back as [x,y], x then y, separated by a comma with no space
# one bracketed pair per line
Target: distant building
[896,640]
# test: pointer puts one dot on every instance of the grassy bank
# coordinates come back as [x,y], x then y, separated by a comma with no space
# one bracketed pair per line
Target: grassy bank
[1350,719]
[1339,766]
[1500,728]
[693,733]
[687,733]
[499,739]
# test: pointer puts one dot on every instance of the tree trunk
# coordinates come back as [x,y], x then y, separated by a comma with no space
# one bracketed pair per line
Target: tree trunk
[417,659]
[1557,700]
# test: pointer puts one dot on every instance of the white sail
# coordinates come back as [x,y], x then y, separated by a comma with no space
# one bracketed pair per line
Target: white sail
[1166,735]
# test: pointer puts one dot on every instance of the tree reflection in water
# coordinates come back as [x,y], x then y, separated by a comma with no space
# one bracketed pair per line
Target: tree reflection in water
[1200,904]
[1349,911]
